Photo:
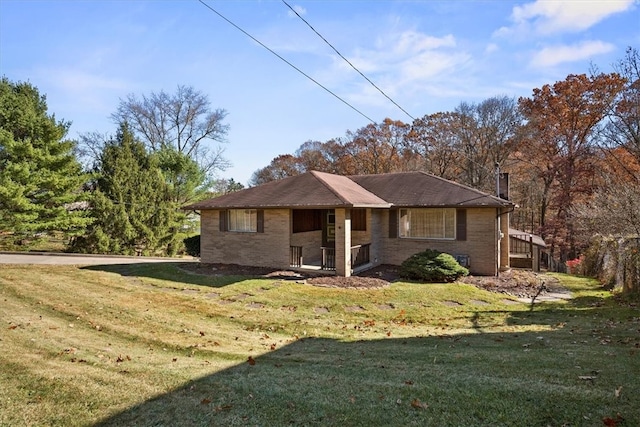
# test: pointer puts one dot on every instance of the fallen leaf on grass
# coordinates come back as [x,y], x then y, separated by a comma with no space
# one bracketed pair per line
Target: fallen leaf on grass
[273,346]
[251,361]
[612,422]
[617,391]
[223,408]
[13,327]
[205,401]
[416,403]
[587,377]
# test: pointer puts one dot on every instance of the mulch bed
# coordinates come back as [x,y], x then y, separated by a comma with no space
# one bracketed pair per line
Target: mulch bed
[519,283]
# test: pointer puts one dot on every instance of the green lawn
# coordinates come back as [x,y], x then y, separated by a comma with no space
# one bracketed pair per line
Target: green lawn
[153,345]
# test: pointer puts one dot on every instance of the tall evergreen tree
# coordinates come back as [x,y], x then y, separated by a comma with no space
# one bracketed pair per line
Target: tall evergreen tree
[131,203]
[40,178]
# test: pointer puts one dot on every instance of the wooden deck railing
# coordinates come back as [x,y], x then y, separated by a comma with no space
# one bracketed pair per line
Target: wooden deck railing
[328,258]
[521,244]
[359,256]
[295,256]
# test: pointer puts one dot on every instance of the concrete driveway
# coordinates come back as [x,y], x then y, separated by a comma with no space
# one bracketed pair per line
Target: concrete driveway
[78,259]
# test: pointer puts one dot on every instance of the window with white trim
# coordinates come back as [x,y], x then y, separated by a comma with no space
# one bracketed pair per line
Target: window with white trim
[242,220]
[428,223]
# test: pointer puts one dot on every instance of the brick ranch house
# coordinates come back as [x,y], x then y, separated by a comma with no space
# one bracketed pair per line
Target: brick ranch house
[323,221]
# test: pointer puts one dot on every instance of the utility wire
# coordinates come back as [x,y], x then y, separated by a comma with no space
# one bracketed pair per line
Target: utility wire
[284,60]
[311,78]
[366,78]
[347,61]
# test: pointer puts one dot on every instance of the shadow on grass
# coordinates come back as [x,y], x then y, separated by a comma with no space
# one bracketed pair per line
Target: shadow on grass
[178,272]
[566,375]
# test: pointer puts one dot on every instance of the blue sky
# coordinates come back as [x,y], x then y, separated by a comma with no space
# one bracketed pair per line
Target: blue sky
[428,56]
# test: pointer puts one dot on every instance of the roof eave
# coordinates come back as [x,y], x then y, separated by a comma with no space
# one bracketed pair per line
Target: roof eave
[330,206]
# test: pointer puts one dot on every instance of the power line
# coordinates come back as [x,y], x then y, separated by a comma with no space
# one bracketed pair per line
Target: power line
[311,78]
[365,77]
[285,61]
[347,61]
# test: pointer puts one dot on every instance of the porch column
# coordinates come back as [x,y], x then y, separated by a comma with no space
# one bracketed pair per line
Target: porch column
[343,242]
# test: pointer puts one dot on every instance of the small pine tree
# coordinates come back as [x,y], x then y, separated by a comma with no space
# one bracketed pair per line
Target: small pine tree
[40,178]
[132,206]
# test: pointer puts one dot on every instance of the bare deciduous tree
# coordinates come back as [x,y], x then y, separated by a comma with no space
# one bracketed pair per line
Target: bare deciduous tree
[183,121]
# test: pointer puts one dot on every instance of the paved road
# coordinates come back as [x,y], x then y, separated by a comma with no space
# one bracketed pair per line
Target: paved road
[74,259]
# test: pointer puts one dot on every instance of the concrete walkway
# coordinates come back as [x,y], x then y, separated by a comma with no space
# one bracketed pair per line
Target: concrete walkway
[556,295]
[80,259]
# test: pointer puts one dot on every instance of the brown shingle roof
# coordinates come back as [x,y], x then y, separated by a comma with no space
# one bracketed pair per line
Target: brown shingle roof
[324,190]
[309,190]
[423,189]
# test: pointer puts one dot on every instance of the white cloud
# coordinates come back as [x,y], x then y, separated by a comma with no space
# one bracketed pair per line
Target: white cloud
[549,17]
[406,53]
[299,10]
[405,64]
[550,56]
[490,48]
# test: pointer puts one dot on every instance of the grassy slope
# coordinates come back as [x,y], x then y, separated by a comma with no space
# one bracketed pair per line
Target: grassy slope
[149,345]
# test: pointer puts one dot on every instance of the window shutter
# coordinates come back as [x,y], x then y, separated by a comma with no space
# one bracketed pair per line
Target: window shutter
[393,223]
[461,224]
[260,220]
[223,220]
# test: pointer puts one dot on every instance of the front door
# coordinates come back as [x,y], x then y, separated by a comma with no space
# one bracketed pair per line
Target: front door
[329,229]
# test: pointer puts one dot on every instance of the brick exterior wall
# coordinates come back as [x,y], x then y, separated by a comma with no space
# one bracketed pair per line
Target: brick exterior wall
[271,248]
[268,249]
[481,243]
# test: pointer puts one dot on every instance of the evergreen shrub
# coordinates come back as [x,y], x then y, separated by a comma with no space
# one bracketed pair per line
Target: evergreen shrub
[192,245]
[432,266]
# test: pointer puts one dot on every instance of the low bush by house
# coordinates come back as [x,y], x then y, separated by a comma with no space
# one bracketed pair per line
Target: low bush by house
[432,266]
[192,245]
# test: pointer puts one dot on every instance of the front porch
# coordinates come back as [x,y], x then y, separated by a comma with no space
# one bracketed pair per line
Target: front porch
[335,241]
[359,259]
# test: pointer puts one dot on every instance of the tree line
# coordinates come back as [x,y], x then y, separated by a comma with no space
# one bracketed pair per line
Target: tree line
[572,151]
[118,193]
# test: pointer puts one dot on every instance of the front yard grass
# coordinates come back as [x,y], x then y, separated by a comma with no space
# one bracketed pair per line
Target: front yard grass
[154,345]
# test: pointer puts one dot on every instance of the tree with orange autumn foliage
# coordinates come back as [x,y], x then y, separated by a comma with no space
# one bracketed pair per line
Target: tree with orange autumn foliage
[377,147]
[465,145]
[432,142]
[282,166]
[562,120]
